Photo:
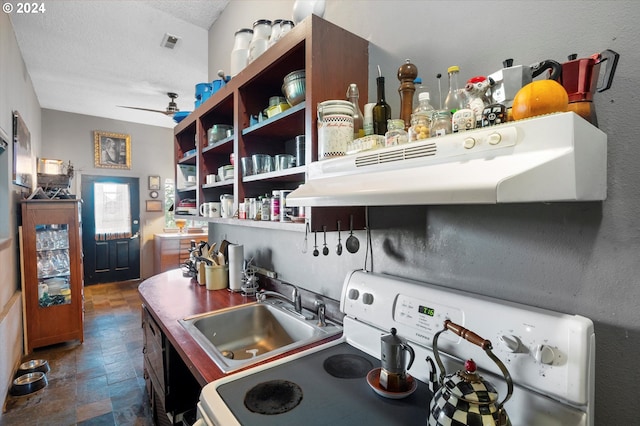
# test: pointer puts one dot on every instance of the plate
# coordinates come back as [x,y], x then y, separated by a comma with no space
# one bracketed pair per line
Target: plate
[373,379]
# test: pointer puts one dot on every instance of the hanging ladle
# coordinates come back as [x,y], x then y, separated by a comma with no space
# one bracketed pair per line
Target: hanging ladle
[339,247]
[325,249]
[352,242]
[315,243]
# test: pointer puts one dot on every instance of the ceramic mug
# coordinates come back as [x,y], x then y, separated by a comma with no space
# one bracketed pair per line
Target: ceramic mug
[226,205]
[205,210]
[211,179]
[214,209]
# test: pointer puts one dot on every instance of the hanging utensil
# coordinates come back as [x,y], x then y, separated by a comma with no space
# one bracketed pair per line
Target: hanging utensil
[305,244]
[339,247]
[368,255]
[325,249]
[315,243]
[352,244]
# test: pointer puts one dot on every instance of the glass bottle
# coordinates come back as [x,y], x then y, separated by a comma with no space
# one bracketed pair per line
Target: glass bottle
[381,110]
[266,208]
[420,88]
[275,205]
[455,98]
[441,123]
[421,118]
[353,96]
[395,135]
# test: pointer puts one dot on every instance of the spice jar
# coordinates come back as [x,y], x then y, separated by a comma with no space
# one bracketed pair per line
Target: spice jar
[441,123]
[395,135]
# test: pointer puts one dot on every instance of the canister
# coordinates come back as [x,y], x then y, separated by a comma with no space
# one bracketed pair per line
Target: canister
[335,128]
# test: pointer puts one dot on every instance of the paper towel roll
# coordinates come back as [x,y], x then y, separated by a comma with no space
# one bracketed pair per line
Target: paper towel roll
[236,259]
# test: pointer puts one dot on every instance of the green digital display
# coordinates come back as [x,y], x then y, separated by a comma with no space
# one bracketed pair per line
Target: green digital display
[425,310]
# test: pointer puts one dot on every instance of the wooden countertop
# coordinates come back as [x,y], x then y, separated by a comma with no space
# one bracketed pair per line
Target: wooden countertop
[170,296]
[180,235]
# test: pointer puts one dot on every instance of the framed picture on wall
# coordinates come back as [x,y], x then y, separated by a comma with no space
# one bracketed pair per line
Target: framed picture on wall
[154,182]
[112,150]
[22,160]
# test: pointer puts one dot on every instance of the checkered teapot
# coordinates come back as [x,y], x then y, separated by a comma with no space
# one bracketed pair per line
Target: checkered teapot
[464,397]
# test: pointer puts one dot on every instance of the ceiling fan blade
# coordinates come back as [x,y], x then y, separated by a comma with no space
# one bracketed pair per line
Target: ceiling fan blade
[148,109]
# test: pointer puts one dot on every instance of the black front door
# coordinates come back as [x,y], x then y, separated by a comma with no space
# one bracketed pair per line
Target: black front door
[110,228]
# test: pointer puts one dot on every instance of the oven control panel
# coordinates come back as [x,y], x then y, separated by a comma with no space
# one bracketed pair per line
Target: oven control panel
[426,317]
[545,350]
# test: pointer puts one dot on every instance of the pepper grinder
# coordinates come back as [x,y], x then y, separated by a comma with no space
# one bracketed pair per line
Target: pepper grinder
[407,73]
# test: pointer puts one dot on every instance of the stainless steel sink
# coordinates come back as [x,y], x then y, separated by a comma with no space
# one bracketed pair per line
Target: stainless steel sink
[245,335]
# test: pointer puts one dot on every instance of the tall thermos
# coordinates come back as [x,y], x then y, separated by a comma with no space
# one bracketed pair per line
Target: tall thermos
[236,258]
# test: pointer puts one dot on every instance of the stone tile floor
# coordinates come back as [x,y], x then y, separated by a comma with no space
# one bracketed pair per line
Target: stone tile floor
[98,382]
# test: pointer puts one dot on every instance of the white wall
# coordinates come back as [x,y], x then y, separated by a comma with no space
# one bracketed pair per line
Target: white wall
[579,258]
[16,94]
[69,137]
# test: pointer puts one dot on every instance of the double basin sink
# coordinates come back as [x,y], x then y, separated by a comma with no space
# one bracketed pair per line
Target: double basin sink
[245,335]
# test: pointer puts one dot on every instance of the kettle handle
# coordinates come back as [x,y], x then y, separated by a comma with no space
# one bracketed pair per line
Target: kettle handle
[548,64]
[485,344]
[612,62]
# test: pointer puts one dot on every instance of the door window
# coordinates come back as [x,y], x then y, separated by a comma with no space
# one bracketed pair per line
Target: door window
[112,207]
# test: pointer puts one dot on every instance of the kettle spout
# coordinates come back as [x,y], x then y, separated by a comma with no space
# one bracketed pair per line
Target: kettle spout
[433,381]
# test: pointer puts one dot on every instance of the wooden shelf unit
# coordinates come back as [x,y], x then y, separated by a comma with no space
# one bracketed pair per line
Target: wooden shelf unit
[332,59]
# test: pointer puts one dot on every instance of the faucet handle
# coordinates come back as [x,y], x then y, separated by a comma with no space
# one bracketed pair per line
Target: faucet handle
[321,313]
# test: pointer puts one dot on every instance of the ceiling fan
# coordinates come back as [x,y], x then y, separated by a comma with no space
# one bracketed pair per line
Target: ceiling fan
[171,109]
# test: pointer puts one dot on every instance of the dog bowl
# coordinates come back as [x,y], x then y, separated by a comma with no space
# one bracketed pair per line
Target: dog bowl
[33,366]
[28,383]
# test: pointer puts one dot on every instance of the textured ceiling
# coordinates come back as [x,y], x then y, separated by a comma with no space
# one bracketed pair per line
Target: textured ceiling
[88,57]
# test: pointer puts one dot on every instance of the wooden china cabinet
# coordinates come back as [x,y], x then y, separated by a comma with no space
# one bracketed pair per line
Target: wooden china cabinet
[52,275]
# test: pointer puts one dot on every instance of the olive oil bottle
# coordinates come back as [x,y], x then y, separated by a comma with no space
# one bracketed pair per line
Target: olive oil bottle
[381,110]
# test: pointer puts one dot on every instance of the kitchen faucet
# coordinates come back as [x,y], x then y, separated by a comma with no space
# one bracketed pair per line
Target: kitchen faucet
[296,299]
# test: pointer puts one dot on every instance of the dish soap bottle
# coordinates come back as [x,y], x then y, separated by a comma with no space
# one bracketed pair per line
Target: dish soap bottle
[353,96]
[381,110]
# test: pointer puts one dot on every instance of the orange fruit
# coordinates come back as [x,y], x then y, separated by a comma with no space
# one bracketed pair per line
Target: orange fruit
[539,97]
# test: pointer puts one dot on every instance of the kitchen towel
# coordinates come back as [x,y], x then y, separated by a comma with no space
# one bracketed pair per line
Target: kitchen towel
[236,258]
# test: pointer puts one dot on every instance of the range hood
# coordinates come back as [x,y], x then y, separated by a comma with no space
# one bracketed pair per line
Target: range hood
[556,157]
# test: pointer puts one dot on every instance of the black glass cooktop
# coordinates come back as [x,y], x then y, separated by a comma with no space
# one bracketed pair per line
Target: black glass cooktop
[333,392]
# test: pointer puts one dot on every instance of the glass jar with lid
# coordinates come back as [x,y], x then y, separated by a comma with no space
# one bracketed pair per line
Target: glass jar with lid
[441,123]
[285,27]
[240,52]
[260,39]
[276,27]
[395,135]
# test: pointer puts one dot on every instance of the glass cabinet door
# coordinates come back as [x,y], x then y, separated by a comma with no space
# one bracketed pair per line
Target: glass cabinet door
[54,273]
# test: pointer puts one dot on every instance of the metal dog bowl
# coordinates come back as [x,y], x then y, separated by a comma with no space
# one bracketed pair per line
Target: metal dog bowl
[33,366]
[29,383]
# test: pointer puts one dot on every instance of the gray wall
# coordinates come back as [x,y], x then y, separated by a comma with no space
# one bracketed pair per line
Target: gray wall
[16,94]
[579,258]
[69,137]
